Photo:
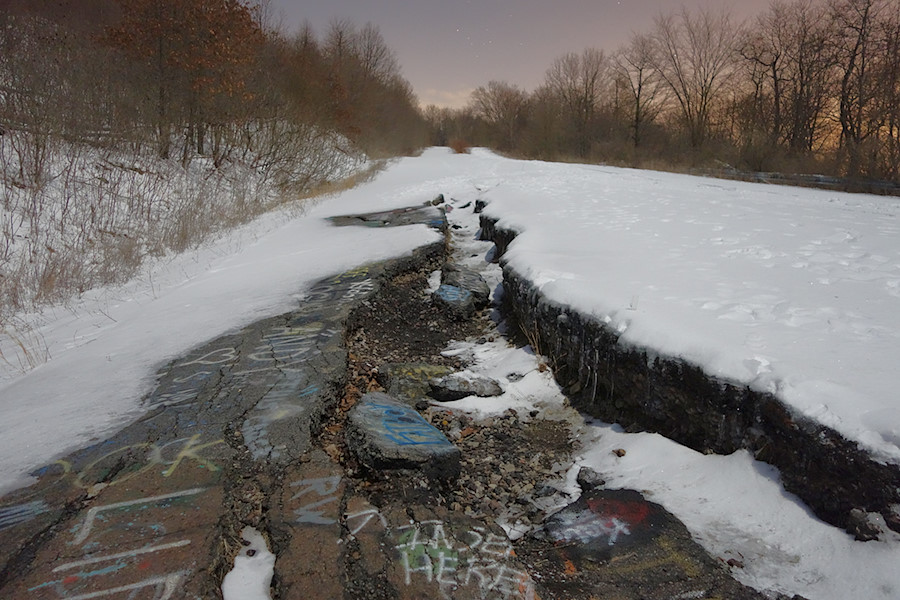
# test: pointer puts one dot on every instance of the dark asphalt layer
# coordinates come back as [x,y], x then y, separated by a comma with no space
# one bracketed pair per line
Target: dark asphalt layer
[236,434]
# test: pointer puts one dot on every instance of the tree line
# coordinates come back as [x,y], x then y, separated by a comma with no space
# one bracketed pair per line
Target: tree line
[194,78]
[805,86]
[135,128]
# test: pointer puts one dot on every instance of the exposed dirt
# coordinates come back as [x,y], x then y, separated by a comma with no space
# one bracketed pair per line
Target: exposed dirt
[340,530]
[513,468]
[402,325]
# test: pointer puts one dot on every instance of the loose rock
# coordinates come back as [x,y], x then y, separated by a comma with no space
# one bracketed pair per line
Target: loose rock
[588,479]
[410,381]
[384,433]
[864,526]
[458,302]
[456,386]
[468,280]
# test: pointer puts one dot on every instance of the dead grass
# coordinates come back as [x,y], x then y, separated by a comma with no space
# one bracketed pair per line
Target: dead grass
[25,347]
[330,188]
[459,146]
[87,217]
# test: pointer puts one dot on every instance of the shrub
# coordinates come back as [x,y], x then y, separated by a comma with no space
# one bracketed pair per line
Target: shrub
[459,146]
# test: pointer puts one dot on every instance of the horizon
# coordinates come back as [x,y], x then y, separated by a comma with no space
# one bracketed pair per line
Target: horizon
[447,51]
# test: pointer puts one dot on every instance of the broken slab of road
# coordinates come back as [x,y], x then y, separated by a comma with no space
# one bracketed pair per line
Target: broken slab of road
[281,426]
[384,433]
[843,484]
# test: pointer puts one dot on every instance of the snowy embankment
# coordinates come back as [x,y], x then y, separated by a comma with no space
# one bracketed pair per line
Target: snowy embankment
[75,217]
[790,291]
[735,506]
[784,289]
[105,346]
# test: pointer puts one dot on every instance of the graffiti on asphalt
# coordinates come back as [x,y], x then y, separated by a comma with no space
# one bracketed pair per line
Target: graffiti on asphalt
[483,559]
[363,517]
[428,550]
[164,587]
[324,491]
[127,462]
[84,530]
[137,519]
[604,520]
[289,397]
[406,427]
[10,516]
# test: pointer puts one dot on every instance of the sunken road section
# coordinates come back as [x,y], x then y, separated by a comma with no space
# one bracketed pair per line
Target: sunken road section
[229,439]
[643,391]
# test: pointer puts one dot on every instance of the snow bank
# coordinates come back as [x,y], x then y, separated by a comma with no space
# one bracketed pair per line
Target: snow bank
[106,347]
[788,290]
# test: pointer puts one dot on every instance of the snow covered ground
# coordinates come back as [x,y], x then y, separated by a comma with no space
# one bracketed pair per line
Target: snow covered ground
[733,505]
[791,290]
[106,346]
[85,216]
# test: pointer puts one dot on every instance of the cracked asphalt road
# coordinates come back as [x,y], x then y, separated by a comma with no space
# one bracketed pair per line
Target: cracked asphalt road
[249,430]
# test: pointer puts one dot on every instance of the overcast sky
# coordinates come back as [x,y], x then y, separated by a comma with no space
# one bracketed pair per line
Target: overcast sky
[449,47]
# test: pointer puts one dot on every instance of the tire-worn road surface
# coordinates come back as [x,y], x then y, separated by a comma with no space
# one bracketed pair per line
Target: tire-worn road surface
[258,428]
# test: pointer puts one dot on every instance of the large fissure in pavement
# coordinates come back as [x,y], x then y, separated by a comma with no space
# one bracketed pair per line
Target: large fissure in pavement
[644,391]
[439,534]
[161,504]
[250,430]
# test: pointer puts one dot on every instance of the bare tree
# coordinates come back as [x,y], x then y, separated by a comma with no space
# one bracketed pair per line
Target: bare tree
[765,47]
[504,106]
[889,92]
[633,68]
[197,54]
[855,43]
[579,81]
[366,85]
[541,138]
[810,60]
[359,56]
[377,60]
[695,55]
[789,58]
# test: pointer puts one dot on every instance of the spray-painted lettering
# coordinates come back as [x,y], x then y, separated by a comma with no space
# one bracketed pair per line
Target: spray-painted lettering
[451,293]
[326,489]
[10,516]
[426,550]
[407,427]
[172,454]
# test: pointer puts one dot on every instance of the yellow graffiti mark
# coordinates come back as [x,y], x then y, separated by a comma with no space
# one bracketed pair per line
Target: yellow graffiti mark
[79,479]
[672,557]
[189,450]
[305,329]
[154,456]
[423,373]
[351,274]
[687,565]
